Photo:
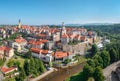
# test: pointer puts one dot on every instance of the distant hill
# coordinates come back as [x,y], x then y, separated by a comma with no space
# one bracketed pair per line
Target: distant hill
[89,24]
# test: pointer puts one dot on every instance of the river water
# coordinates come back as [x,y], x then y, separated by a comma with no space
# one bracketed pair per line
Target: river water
[62,74]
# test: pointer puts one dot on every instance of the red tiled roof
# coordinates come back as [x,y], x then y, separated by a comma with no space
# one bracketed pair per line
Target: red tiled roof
[43,40]
[44,52]
[5,48]
[20,40]
[5,70]
[60,54]
[37,50]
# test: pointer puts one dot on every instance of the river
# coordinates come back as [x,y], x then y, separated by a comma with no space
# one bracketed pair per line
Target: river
[62,74]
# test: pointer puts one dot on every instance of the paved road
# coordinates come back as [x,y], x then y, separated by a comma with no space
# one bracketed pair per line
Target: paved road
[107,71]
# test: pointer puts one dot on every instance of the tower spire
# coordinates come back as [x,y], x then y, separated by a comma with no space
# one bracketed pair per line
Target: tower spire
[19,23]
[63,28]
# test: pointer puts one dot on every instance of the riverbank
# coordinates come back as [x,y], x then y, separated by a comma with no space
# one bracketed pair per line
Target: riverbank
[43,75]
[61,74]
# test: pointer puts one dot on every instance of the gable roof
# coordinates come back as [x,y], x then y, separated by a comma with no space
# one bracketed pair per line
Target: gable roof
[60,54]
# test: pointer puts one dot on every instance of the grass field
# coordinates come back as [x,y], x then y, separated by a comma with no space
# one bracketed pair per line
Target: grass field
[17,58]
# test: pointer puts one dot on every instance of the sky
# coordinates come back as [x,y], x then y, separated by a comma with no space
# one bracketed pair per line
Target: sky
[42,12]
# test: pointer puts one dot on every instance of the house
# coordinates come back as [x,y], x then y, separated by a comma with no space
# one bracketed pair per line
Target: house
[36,44]
[19,44]
[9,72]
[44,55]
[60,56]
[6,51]
[21,41]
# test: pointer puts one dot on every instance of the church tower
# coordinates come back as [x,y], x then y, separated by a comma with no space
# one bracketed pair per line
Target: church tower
[19,24]
[63,28]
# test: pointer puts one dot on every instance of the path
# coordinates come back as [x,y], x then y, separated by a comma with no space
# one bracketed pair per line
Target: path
[43,75]
[7,59]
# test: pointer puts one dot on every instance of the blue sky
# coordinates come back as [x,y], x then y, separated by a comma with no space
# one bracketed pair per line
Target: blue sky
[37,12]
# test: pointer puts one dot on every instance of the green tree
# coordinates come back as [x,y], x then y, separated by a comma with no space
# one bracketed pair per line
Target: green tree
[32,65]
[29,54]
[88,71]
[41,68]
[91,63]
[66,61]
[17,63]
[113,55]
[10,63]
[21,76]
[27,67]
[105,57]
[98,74]
[94,49]
[98,61]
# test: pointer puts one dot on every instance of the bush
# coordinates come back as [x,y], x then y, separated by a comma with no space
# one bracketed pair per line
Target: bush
[66,61]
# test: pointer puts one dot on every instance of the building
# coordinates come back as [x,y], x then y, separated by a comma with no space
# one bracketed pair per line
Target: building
[60,56]
[6,51]
[19,44]
[44,55]
[9,72]
[19,24]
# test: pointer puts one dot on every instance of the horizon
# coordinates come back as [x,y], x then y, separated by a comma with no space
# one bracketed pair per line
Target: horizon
[52,12]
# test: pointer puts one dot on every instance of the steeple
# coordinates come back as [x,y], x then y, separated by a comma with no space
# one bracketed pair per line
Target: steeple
[63,28]
[19,23]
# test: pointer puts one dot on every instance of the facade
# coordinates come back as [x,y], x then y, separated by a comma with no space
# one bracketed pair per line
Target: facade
[44,55]
[6,51]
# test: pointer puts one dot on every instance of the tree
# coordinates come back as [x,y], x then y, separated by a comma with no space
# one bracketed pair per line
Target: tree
[94,49]
[32,65]
[27,67]
[98,74]
[10,63]
[41,68]
[17,63]
[29,54]
[22,73]
[113,55]
[21,76]
[98,61]
[91,63]
[66,61]
[106,58]
[88,71]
